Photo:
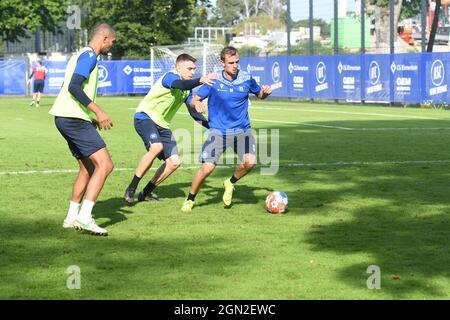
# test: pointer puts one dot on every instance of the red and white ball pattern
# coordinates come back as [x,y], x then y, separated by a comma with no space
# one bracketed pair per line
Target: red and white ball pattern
[276,202]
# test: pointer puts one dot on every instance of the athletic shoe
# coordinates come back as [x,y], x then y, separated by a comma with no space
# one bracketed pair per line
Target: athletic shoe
[32,103]
[68,224]
[228,193]
[91,227]
[149,197]
[187,206]
[129,196]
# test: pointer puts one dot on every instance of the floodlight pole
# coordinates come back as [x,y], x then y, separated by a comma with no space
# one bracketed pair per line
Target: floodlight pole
[288,23]
[423,23]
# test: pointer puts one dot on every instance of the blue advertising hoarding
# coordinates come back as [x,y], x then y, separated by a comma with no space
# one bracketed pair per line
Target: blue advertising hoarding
[406,78]
[12,78]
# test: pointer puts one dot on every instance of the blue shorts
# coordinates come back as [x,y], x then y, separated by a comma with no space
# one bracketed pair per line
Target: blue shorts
[38,86]
[242,142]
[81,136]
[150,133]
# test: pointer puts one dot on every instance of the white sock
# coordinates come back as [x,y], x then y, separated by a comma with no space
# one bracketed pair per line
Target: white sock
[85,211]
[74,208]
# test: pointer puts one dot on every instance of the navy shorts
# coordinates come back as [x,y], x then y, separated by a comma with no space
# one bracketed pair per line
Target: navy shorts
[81,136]
[150,133]
[38,86]
[215,145]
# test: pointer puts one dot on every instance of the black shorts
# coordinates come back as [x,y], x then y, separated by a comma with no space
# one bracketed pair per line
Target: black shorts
[38,86]
[242,143]
[150,133]
[81,136]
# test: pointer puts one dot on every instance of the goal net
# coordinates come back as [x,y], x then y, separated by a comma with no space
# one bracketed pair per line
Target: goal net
[162,58]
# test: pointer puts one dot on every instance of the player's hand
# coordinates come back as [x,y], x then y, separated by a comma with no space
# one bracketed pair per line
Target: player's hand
[208,79]
[266,90]
[200,106]
[104,122]
[28,81]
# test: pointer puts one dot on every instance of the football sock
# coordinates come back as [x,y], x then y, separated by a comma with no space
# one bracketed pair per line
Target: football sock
[134,183]
[233,179]
[86,210]
[149,188]
[191,196]
[74,208]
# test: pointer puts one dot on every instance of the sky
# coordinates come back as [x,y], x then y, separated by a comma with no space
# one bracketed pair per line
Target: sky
[322,9]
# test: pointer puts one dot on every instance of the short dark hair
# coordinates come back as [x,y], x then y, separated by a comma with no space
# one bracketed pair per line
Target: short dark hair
[232,51]
[102,28]
[185,57]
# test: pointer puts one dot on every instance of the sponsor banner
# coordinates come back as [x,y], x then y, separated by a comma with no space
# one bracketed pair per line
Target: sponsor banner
[436,77]
[55,76]
[348,77]
[257,68]
[12,77]
[407,78]
[276,76]
[298,70]
[321,75]
[405,70]
[376,77]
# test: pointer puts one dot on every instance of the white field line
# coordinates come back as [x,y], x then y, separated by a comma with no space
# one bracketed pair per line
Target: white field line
[318,164]
[353,113]
[303,124]
[308,124]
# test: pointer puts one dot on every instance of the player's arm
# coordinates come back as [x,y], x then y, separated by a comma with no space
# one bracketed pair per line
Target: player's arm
[261,92]
[173,81]
[194,111]
[84,67]
[75,89]
[264,92]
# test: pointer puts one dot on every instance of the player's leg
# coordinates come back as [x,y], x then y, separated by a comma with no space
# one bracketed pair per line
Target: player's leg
[245,147]
[171,163]
[33,101]
[78,190]
[95,165]
[38,98]
[142,168]
[164,171]
[200,176]
[212,150]
[150,135]
[103,166]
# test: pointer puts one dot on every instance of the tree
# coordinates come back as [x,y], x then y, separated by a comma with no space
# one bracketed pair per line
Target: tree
[231,12]
[143,23]
[379,11]
[16,17]
[324,26]
[411,8]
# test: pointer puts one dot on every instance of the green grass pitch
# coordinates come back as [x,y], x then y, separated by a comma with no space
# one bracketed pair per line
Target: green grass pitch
[366,185]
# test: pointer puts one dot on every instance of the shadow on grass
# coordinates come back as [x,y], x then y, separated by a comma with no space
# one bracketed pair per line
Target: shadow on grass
[393,214]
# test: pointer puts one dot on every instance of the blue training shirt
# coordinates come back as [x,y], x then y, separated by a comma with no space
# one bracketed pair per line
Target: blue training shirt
[228,101]
[86,63]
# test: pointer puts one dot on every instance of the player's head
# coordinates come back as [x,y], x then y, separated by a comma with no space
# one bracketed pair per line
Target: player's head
[105,36]
[229,57]
[38,61]
[186,66]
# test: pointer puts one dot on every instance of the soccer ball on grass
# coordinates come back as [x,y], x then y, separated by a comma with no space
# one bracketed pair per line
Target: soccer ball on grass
[276,202]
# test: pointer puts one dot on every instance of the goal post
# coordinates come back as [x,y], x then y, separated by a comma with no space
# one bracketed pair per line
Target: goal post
[162,58]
